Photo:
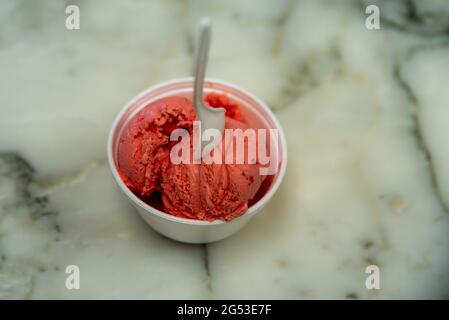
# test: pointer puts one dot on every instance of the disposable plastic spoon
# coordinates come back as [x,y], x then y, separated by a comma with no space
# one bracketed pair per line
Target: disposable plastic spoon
[209,117]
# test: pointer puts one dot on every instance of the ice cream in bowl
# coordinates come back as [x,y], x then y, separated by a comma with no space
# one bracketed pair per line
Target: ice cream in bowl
[194,185]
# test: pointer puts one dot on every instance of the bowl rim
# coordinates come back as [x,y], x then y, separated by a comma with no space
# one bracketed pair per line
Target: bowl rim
[148,210]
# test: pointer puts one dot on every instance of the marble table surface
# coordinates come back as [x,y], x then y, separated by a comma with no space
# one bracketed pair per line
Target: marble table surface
[365,112]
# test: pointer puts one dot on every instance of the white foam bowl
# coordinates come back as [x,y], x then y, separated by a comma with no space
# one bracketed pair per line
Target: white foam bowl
[183,229]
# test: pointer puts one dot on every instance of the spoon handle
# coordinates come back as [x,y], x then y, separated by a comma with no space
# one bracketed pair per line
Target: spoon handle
[201,63]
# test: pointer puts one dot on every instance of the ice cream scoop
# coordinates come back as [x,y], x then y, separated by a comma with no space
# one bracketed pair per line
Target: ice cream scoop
[195,190]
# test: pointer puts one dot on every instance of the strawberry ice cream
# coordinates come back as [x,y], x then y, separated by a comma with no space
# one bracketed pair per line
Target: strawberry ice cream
[197,191]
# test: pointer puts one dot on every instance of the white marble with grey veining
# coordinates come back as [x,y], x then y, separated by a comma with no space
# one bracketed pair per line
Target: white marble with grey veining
[366,114]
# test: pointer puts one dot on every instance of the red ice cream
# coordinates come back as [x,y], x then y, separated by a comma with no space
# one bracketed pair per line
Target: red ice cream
[197,191]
